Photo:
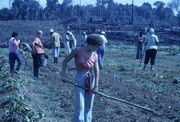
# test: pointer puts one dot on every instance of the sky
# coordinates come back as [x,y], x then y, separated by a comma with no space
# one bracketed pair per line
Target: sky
[5,3]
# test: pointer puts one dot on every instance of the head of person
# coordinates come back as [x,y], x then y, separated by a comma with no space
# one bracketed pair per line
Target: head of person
[94,41]
[51,31]
[14,34]
[39,33]
[68,32]
[151,31]
[84,33]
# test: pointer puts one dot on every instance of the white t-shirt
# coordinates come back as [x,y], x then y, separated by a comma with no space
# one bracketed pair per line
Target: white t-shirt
[151,41]
[104,39]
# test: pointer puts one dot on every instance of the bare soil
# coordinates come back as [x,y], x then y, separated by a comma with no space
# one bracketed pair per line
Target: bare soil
[121,77]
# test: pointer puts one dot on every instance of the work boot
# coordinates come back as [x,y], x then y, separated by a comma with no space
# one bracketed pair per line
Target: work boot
[17,72]
[144,67]
[152,68]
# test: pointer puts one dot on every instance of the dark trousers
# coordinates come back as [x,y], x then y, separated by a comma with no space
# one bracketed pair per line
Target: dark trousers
[150,55]
[37,63]
[139,53]
[13,56]
[100,52]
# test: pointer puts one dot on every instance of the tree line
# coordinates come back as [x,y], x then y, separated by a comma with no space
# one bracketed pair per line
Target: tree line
[104,11]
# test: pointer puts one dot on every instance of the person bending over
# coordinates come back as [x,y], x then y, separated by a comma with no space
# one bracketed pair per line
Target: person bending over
[86,58]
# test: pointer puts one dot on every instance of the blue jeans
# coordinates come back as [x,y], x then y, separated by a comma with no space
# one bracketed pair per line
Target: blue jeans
[83,100]
[56,52]
[100,52]
[13,56]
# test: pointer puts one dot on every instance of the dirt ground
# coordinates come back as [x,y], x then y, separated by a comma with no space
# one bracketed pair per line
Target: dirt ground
[121,78]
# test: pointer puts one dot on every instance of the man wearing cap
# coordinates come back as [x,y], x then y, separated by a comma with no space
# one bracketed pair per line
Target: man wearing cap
[151,42]
[55,44]
[101,50]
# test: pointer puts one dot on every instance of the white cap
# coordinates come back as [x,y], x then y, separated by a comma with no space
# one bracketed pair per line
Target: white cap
[103,33]
[70,33]
[151,30]
[51,30]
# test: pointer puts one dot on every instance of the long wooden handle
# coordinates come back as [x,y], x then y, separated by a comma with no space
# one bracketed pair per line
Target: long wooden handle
[113,98]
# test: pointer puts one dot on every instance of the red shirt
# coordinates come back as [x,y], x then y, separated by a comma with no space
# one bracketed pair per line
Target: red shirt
[83,62]
[37,46]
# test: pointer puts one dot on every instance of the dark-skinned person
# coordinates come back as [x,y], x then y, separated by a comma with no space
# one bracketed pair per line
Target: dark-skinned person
[55,44]
[14,54]
[140,45]
[151,41]
[86,59]
[37,53]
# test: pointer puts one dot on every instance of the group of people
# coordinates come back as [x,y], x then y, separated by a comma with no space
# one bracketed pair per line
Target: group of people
[88,61]
[37,51]
[147,44]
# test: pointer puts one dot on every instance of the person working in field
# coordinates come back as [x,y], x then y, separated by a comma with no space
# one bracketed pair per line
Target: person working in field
[71,41]
[151,42]
[14,54]
[140,41]
[83,41]
[101,50]
[37,53]
[86,58]
[55,44]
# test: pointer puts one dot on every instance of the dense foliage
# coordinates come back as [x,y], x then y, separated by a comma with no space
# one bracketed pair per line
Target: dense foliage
[104,11]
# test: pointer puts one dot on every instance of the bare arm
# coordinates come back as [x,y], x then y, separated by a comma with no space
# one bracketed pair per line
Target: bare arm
[156,40]
[64,64]
[96,71]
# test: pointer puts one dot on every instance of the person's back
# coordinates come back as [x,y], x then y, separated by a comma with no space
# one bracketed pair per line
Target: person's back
[151,41]
[151,48]
[55,44]
[72,41]
[104,39]
[56,38]
[14,54]
[13,45]
[101,49]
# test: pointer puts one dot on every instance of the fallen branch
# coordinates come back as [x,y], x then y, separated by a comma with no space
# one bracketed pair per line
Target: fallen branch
[113,98]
